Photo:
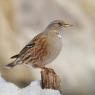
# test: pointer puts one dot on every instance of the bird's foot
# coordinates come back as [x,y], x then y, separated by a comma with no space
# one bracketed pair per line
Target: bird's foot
[41,66]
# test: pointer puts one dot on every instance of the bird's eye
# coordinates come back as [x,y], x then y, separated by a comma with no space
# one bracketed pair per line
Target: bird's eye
[60,24]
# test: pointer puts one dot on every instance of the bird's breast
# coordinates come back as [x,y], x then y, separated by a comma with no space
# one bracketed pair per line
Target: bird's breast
[54,48]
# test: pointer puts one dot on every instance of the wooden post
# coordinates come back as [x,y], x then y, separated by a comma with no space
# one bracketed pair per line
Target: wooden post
[49,79]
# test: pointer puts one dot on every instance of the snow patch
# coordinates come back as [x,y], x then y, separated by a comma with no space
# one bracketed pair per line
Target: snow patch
[7,88]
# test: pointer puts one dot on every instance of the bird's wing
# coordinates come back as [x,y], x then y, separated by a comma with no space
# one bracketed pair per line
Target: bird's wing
[32,44]
[15,56]
[28,46]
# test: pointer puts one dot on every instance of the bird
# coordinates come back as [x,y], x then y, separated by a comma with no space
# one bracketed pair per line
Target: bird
[43,48]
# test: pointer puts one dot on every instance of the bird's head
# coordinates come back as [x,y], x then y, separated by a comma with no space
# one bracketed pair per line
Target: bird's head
[56,26]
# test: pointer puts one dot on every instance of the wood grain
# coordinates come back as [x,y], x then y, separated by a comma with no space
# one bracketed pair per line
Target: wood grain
[49,79]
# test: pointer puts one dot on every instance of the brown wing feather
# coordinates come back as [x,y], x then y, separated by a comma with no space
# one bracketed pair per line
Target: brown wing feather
[31,44]
[15,56]
[35,50]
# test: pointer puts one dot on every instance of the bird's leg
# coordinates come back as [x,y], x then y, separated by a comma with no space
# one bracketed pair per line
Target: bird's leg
[42,66]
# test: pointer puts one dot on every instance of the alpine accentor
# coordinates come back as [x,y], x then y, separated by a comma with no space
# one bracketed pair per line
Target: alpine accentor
[43,48]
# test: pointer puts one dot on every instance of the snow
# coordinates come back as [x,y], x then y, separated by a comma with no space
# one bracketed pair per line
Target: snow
[7,88]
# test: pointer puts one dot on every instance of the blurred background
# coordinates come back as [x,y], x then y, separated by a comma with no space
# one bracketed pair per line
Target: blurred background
[21,20]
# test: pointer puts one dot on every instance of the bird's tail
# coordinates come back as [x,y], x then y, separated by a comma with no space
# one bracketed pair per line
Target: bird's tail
[11,65]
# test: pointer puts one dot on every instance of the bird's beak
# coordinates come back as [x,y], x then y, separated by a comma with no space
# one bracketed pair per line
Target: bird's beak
[67,25]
